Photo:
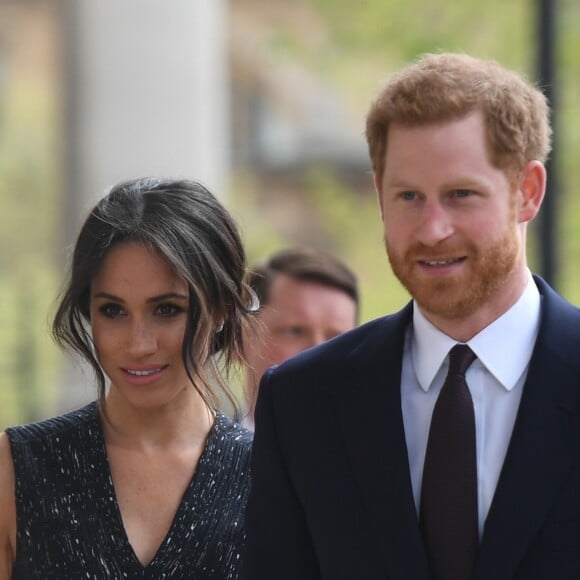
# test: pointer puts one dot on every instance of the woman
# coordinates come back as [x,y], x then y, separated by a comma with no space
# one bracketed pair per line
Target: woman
[149,481]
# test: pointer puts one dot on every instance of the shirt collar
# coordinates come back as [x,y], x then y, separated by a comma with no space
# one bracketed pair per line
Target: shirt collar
[514,332]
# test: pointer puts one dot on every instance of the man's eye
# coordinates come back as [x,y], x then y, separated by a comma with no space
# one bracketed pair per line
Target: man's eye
[408,195]
[291,331]
[111,310]
[462,193]
[168,310]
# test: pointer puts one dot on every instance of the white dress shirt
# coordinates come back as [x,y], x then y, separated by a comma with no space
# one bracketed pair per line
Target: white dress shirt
[495,380]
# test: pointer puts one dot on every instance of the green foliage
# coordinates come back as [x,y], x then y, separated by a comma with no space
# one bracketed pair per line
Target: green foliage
[261,235]
[360,44]
[28,231]
[347,223]
[351,221]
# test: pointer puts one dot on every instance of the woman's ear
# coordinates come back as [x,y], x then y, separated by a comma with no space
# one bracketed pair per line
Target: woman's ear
[531,191]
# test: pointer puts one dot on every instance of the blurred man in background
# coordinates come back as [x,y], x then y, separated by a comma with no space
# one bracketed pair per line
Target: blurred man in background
[306,297]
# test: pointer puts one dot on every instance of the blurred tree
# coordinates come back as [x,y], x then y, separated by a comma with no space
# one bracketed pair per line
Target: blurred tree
[29,193]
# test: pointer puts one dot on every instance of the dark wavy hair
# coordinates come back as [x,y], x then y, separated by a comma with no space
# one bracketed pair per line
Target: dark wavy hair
[189,228]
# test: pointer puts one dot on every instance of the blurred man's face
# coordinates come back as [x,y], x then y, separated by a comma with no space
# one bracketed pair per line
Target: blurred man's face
[298,315]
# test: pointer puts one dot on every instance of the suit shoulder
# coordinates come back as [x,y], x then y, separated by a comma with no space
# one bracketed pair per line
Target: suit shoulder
[367,339]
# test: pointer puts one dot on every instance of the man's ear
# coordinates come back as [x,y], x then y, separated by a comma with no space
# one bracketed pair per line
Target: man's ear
[532,187]
[378,188]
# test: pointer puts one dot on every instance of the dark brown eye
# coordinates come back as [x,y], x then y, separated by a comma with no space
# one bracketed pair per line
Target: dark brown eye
[111,310]
[168,310]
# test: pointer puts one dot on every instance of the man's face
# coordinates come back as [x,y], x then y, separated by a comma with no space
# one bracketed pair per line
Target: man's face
[298,315]
[451,220]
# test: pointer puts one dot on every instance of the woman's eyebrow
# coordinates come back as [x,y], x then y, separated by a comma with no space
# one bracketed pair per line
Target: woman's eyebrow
[159,298]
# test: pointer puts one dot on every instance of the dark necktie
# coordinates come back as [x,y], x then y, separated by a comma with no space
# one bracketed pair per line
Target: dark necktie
[449,489]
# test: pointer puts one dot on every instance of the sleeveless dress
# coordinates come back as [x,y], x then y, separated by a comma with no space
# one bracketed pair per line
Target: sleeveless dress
[69,524]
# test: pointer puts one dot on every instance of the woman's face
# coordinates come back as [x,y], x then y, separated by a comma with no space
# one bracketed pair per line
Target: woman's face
[138,307]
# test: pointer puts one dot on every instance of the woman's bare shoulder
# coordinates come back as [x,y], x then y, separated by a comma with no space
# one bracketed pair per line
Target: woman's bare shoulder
[8,511]
[6,466]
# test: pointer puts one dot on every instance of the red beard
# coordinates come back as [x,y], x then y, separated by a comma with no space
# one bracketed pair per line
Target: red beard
[457,296]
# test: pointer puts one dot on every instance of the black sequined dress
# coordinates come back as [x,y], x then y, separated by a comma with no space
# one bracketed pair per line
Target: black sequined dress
[69,525]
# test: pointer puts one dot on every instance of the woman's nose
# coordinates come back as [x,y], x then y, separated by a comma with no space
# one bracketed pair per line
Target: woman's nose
[142,339]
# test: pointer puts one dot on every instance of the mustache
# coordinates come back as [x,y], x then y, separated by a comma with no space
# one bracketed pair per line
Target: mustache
[438,252]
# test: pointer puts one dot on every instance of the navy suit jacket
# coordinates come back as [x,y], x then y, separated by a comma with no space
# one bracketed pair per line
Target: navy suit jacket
[331,495]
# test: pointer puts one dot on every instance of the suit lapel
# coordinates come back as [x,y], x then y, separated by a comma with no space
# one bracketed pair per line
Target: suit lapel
[371,418]
[542,446]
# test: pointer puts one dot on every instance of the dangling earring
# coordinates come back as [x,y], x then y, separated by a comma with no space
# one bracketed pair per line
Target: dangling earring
[218,339]
[254,305]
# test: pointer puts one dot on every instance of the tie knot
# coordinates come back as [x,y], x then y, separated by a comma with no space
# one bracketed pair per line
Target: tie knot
[460,357]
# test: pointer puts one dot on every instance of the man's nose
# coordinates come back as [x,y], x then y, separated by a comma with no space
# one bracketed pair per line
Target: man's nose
[436,224]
